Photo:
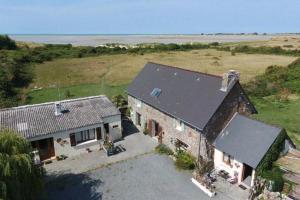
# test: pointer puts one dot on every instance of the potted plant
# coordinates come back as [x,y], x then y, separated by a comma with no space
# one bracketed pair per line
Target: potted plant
[108,146]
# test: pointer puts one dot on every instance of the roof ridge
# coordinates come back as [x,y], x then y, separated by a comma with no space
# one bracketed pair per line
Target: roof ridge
[260,121]
[51,102]
[170,66]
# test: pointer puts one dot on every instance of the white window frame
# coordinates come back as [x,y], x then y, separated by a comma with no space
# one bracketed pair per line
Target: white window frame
[179,125]
[138,103]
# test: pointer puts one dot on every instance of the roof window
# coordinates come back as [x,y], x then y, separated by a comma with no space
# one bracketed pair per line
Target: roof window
[155,92]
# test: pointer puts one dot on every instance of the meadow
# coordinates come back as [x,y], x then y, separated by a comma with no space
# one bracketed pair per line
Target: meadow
[109,74]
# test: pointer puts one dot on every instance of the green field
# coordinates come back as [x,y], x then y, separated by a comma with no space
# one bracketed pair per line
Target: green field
[74,91]
[110,75]
[285,115]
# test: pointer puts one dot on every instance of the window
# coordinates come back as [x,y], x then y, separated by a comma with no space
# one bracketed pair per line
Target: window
[138,103]
[227,159]
[115,126]
[84,136]
[155,92]
[138,119]
[181,145]
[179,125]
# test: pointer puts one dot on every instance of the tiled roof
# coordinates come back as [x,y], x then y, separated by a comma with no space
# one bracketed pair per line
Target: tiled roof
[190,96]
[247,140]
[40,119]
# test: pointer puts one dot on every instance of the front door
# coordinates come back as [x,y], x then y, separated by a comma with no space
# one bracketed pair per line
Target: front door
[155,128]
[45,148]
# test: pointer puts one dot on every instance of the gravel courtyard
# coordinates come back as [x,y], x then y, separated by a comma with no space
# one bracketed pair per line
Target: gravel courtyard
[145,177]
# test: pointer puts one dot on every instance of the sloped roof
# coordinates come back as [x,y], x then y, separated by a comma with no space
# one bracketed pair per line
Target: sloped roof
[190,96]
[247,140]
[35,120]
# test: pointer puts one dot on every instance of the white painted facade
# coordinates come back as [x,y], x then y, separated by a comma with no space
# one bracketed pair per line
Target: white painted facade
[62,143]
[235,168]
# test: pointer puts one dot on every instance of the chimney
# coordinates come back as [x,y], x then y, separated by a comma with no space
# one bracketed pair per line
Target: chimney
[58,108]
[228,79]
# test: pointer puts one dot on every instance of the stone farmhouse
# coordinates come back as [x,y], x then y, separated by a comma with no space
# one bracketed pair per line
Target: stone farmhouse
[205,114]
[68,127]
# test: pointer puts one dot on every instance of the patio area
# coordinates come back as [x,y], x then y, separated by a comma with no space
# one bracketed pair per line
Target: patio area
[133,144]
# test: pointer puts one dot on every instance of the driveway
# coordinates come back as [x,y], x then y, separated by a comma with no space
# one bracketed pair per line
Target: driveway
[145,177]
[131,146]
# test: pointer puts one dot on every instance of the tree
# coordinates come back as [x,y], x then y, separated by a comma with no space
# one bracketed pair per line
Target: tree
[7,43]
[119,100]
[19,177]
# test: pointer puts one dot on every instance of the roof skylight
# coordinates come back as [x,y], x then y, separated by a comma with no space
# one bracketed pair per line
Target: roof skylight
[155,92]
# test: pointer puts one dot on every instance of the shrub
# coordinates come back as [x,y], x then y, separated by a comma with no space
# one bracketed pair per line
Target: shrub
[7,43]
[275,178]
[185,161]
[146,131]
[163,149]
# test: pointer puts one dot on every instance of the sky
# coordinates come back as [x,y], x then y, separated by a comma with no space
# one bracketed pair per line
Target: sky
[148,16]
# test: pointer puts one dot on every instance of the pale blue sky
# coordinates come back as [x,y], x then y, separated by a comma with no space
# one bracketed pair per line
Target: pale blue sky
[148,16]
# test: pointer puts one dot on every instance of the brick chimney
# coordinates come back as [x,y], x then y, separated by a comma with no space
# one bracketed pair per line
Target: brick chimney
[228,79]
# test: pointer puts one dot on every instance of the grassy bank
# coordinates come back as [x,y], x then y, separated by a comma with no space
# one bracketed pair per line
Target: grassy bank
[283,114]
[75,91]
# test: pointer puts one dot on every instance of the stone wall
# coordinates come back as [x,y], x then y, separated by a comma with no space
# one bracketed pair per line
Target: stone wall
[236,101]
[189,135]
[199,143]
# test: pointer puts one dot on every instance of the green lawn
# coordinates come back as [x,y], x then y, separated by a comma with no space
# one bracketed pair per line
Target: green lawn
[283,114]
[83,90]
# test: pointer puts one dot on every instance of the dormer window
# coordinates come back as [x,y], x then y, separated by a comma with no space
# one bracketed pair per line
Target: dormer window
[179,125]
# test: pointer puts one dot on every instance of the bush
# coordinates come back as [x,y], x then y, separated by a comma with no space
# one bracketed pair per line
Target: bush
[146,131]
[185,161]
[7,43]
[163,149]
[275,178]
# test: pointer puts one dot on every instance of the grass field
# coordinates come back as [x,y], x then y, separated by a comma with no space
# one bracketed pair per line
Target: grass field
[83,75]
[110,75]
[283,114]
[285,42]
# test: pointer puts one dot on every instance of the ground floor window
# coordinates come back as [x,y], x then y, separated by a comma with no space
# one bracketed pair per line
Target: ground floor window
[138,119]
[181,145]
[85,135]
[227,159]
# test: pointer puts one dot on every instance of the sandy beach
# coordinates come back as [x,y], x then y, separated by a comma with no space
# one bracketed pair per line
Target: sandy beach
[96,40]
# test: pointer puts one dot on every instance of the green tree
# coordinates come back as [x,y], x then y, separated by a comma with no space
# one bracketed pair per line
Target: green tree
[19,177]
[119,100]
[7,43]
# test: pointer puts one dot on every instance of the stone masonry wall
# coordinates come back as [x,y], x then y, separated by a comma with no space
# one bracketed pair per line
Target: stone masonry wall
[236,101]
[189,135]
[199,143]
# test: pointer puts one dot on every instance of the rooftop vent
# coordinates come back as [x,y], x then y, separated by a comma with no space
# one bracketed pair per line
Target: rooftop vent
[155,92]
[58,108]
[228,79]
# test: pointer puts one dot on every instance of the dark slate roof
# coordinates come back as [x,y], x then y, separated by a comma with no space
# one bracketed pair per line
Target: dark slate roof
[35,120]
[247,140]
[190,96]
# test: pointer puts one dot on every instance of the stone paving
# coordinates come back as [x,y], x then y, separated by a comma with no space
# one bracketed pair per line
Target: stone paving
[132,145]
